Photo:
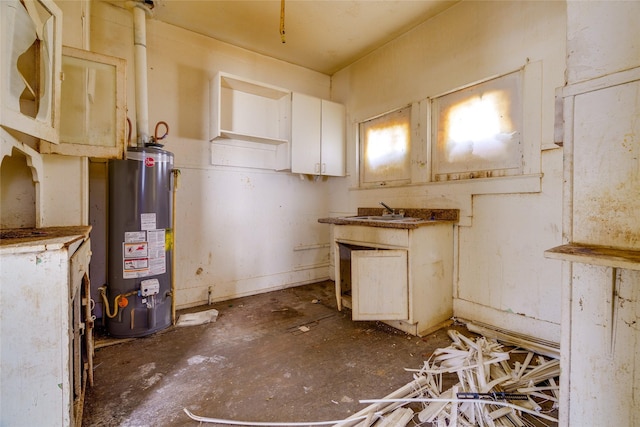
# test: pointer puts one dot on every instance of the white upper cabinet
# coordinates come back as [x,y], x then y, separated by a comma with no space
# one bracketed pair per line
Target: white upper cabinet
[258,125]
[93,107]
[317,136]
[30,63]
[246,110]
[250,124]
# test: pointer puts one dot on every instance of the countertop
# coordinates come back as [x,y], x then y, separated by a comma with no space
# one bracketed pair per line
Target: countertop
[413,218]
[19,239]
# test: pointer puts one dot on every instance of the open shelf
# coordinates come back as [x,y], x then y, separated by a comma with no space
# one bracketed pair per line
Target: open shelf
[247,110]
[250,123]
[596,255]
[251,138]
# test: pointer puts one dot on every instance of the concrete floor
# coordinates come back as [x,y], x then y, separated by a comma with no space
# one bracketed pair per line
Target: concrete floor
[255,364]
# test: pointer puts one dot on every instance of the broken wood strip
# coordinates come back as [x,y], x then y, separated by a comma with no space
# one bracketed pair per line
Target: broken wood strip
[556,390]
[543,396]
[455,337]
[498,413]
[453,369]
[525,364]
[537,346]
[454,408]
[430,412]
[493,384]
[480,401]
[400,417]
[529,404]
[552,388]
[416,384]
[468,341]
[368,421]
[543,372]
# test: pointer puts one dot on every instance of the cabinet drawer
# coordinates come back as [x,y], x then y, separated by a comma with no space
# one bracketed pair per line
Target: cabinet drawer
[374,236]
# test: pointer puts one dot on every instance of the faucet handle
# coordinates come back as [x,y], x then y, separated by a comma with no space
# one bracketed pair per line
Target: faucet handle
[391,211]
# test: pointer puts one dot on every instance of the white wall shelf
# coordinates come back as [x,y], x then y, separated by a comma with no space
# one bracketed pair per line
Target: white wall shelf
[247,110]
[251,138]
[596,255]
[250,123]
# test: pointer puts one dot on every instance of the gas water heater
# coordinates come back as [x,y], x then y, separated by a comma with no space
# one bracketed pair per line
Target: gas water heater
[138,292]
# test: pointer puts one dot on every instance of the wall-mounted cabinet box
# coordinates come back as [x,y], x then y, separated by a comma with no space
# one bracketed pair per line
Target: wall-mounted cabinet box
[30,61]
[250,123]
[317,136]
[93,107]
[247,110]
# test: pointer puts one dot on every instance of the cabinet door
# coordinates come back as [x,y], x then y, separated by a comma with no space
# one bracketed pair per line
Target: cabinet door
[332,146]
[30,47]
[379,285]
[93,113]
[306,112]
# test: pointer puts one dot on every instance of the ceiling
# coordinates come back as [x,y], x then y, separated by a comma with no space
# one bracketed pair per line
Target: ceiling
[322,35]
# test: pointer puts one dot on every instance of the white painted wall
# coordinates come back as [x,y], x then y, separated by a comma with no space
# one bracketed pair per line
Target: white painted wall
[502,277]
[239,231]
[601,38]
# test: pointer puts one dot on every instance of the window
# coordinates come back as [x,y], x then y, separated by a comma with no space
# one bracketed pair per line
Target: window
[489,129]
[478,130]
[385,148]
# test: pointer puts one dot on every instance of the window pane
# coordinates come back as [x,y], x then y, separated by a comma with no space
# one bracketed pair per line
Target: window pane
[89,102]
[385,147]
[478,130]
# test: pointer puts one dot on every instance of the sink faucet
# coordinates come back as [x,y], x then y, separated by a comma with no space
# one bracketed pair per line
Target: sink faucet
[391,211]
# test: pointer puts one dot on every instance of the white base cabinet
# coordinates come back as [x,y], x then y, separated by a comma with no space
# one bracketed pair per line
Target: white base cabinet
[403,277]
[42,375]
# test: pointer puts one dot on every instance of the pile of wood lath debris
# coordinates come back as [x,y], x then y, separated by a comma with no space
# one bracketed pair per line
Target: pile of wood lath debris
[495,388]
[492,390]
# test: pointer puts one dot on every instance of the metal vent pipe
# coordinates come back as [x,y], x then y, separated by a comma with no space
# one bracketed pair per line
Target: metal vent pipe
[140,10]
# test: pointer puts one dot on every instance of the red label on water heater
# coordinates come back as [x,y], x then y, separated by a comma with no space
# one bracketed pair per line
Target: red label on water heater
[149,162]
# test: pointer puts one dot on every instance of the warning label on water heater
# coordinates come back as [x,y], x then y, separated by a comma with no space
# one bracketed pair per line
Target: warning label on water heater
[143,254]
[136,250]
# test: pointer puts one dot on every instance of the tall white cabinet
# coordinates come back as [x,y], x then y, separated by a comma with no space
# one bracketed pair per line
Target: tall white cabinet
[317,136]
[601,283]
[44,276]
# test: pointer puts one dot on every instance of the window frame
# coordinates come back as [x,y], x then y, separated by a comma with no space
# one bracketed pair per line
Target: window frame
[362,147]
[502,82]
[422,142]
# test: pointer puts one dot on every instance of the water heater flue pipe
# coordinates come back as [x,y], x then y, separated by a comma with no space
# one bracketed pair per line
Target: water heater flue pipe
[140,11]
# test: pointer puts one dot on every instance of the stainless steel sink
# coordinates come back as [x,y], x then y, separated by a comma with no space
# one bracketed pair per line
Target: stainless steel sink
[386,218]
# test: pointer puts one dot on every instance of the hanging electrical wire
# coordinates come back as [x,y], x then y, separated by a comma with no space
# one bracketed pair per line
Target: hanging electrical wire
[282,21]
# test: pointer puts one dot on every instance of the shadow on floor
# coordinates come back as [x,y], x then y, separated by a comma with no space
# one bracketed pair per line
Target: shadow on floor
[256,364]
